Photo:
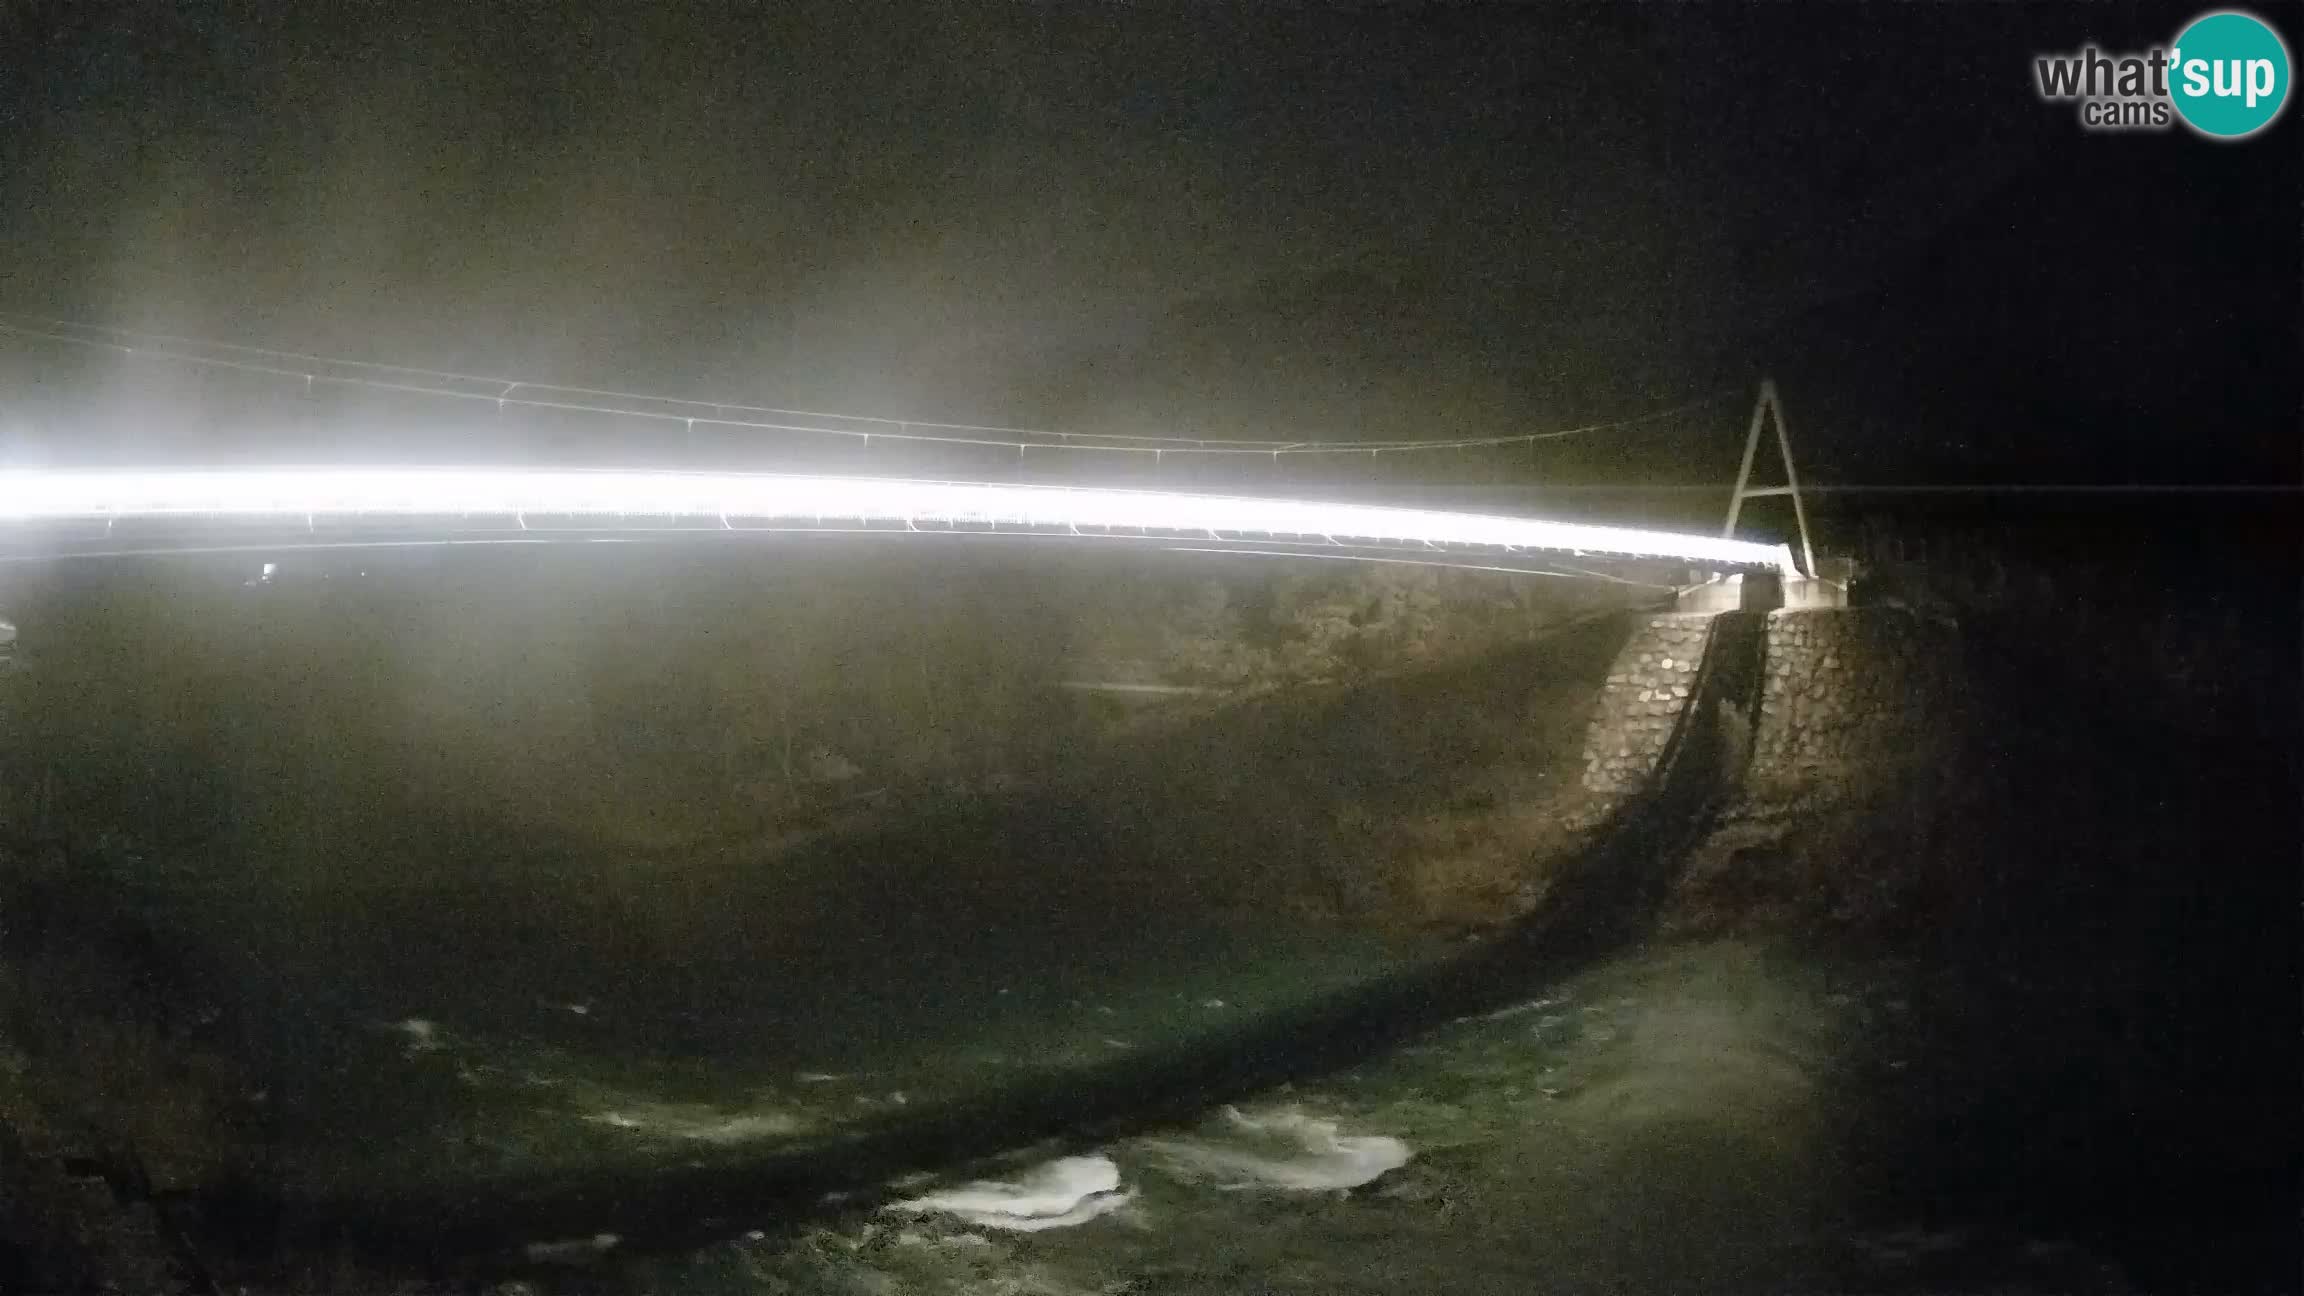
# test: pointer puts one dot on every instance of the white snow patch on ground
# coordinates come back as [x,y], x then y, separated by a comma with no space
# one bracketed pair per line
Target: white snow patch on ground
[1062,1193]
[1282,1149]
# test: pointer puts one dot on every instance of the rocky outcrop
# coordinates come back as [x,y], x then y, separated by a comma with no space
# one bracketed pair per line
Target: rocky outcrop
[1236,629]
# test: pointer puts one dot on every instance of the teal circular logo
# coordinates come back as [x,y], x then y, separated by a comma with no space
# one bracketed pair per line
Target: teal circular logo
[2228,75]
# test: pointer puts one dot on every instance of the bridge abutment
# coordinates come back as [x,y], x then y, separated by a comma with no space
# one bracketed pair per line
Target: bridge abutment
[1851,699]
[1831,774]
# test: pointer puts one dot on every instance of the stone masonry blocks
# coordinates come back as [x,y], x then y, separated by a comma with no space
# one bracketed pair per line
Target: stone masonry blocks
[1647,688]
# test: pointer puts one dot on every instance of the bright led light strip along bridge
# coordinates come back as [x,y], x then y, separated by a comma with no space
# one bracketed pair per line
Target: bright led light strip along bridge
[426,498]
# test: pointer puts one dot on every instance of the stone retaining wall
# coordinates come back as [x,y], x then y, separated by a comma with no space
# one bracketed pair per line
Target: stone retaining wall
[1851,777]
[1647,690]
[1850,700]
[1825,779]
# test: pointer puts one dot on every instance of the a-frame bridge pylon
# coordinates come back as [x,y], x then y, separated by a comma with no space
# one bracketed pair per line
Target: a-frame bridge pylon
[1771,408]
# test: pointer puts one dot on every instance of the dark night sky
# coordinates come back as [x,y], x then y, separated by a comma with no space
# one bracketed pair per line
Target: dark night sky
[1238,219]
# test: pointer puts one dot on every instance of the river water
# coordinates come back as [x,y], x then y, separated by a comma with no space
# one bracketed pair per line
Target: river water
[1675,1118]
[1661,1123]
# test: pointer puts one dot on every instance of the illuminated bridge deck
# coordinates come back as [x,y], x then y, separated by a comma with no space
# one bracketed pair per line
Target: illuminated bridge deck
[95,512]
